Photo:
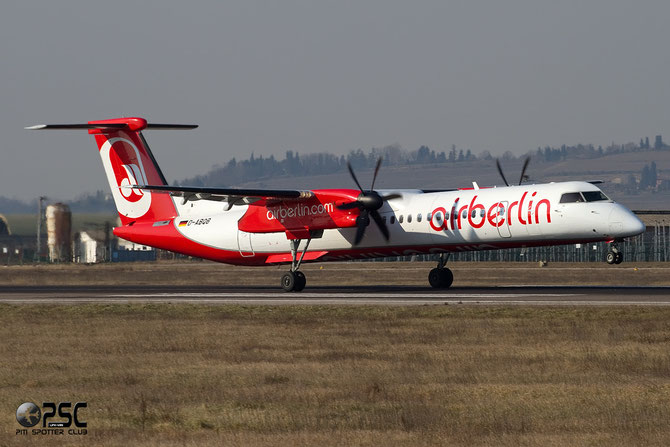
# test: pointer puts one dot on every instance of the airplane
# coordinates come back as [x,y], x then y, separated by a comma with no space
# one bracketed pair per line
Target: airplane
[257,227]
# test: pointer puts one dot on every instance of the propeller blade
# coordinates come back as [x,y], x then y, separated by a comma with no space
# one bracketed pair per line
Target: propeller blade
[391,197]
[523,170]
[374,177]
[348,206]
[360,230]
[351,171]
[501,172]
[380,223]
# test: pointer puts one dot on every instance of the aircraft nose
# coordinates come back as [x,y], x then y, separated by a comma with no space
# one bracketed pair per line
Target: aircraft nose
[623,223]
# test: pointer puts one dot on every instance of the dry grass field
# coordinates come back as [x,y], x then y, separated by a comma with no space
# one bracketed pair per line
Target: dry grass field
[317,375]
[334,274]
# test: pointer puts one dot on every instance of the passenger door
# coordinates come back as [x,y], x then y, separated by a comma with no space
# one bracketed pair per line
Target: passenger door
[244,243]
[503,230]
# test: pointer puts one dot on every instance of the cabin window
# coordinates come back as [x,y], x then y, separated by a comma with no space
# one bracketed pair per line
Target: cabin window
[571,197]
[465,214]
[438,217]
[392,220]
[384,219]
[428,216]
[446,216]
[594,196]
[418,217]
[400,219]
[409,218]
[482,213]
[473,213]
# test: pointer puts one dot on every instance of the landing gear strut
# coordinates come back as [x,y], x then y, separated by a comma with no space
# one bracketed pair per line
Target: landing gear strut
[294,280]
[614,256]
[441,277]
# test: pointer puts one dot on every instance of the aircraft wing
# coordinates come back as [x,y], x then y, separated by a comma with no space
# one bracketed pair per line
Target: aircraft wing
[231,196]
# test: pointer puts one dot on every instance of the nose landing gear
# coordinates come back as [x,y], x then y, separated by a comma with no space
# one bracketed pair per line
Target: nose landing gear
[614,256]
[441,277]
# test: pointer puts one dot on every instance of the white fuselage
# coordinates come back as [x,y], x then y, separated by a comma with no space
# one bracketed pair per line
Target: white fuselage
[472,219]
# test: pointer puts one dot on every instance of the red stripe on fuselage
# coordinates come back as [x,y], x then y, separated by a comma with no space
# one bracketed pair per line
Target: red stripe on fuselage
[167,237]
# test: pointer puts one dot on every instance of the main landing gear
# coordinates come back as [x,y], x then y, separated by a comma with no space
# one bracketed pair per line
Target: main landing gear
[441,277]
[294,280]
[614,256]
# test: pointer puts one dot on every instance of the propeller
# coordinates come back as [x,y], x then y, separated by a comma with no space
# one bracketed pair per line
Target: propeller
[368,202]
[523,170]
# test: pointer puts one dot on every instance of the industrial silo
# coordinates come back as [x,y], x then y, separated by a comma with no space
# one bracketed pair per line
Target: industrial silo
[59,232]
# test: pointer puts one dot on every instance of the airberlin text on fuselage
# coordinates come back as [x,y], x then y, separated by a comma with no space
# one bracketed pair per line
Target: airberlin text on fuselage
[518,212]
[298,211]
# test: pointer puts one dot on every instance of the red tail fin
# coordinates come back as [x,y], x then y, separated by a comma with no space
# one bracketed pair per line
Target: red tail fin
[128,161]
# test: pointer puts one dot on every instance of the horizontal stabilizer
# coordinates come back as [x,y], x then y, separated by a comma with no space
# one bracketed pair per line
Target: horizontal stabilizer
[158,126]
[75,126]
[116,126]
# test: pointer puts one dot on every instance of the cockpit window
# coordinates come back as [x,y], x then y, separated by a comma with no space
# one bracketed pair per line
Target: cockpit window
[584,196]
[571,197]
[594,196]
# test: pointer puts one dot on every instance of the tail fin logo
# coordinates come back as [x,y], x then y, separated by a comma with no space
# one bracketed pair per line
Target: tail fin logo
[123,166]
[133,176]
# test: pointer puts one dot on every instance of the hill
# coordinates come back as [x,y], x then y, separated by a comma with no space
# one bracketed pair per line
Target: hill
[614,170]
[635,175]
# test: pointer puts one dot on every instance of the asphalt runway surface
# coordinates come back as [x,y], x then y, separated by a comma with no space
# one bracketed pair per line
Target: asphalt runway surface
[345,295]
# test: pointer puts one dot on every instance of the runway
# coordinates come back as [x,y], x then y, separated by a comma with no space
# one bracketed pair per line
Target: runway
[359,295]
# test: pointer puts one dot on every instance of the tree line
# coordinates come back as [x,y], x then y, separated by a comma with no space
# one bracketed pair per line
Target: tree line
[259,168]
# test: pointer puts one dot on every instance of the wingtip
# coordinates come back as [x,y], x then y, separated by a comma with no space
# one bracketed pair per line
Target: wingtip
[36,127]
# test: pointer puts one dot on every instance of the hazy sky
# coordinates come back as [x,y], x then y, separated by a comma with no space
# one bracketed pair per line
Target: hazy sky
[315,76]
